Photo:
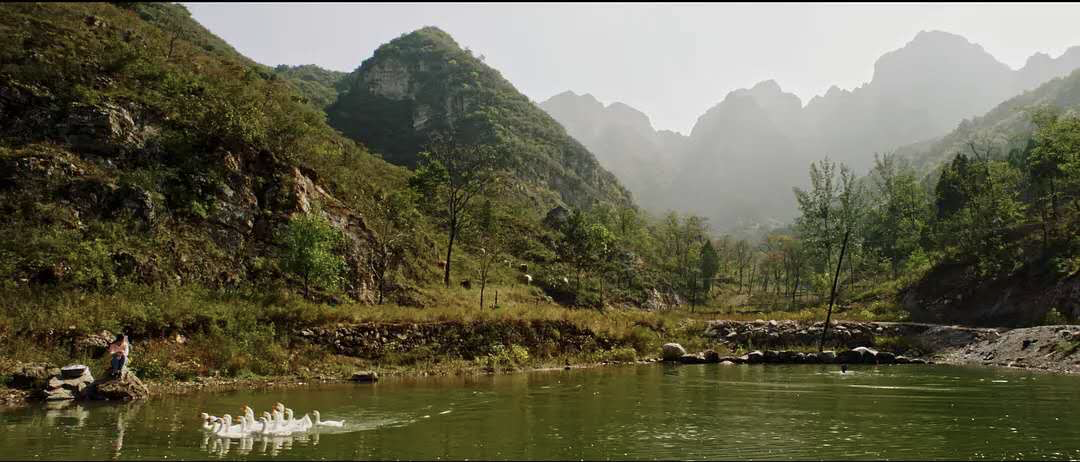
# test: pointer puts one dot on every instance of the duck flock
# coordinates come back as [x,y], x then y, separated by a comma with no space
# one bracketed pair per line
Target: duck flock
[278,421]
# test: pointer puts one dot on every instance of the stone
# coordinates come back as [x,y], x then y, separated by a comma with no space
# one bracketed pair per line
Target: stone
[800,358]
[788,357]
[811,358]
[827,357]
[33,376]
[884,357]
[918,361]
[127,387]
[755,357]
[772,356]
[73,371]
[902,360]
[365,376]
[849,357]
[691,359]
[711,356]
[59,394]
[869,355]
[96,345]
[726,363]
[673,351]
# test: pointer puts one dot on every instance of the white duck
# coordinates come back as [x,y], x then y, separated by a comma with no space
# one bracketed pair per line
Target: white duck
[294,424]
[228,430]
[327,423]
[208,421]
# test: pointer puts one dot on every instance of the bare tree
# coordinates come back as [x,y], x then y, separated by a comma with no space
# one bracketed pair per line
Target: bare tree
[454,173]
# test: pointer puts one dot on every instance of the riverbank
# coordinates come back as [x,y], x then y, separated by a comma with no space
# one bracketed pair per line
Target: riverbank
[512,343]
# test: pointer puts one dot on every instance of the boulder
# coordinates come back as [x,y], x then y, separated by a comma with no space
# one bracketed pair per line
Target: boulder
[902,360]
[692,359]
[811,358]
[827,357]
[918,361]
[96,345]
[711,356]
[884,357]
[755,357]
[33,376]
[772,356]
[74,371]
[365,376]
[788,357]
[59,394]
[869,355]
[673,351]
[127,387]
[849,357]
[726,363]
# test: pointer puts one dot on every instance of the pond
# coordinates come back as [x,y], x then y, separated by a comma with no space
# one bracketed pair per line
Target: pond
[629,412]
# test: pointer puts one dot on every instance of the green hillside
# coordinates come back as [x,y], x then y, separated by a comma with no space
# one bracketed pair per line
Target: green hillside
[423,82]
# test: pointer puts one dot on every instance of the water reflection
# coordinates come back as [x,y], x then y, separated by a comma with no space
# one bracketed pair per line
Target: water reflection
[267,444]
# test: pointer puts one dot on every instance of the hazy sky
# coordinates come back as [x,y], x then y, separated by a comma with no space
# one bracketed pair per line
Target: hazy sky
[671,61]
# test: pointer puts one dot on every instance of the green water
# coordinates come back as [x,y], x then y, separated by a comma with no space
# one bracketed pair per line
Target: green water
[642,412]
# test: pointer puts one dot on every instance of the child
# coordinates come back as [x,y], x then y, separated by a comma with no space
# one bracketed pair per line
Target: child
[119,349]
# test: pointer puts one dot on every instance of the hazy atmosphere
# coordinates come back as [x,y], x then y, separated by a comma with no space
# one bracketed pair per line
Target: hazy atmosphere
[670,61]
[539,231]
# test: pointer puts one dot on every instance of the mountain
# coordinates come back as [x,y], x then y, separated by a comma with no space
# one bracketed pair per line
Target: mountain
[424,82]
[744,154]
[137,148]
[320,87]
[623,140]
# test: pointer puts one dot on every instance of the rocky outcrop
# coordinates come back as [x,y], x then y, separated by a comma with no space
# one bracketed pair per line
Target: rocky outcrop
[1054,348]
[466,340]
[126,387]
[915,339]
[33,376]
[365,376]
[70,383]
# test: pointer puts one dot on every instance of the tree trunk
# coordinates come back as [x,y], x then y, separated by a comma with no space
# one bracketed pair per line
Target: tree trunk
[832,296]
[449,253]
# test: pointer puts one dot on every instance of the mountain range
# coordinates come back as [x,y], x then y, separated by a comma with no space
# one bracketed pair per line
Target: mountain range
[742,157]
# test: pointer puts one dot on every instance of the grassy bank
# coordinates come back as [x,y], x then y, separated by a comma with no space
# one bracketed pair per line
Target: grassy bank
[182,334]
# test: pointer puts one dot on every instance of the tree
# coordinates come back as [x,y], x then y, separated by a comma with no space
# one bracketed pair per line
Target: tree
[900,216]
[454,173]
[392,218]
[710,265]
[309,243]
[490,244]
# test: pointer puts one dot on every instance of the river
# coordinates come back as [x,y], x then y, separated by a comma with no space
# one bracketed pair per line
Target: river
[629,412]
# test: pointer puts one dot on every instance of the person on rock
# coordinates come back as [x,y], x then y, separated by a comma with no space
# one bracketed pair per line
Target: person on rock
[120,350]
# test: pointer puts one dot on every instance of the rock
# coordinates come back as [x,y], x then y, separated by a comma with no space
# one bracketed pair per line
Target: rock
[918,361]
[96,345]
[365,376]
[127,387]
[726,363]
[711,356]
[691,359]
[869,355]
[811,358]
[884,357]
[59,394]
[755,357]
[673,351]
[902,360]
[800,358]
[33,376]
[788,357]
[772,356]
[74,371]
[849,357]
[827,357]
